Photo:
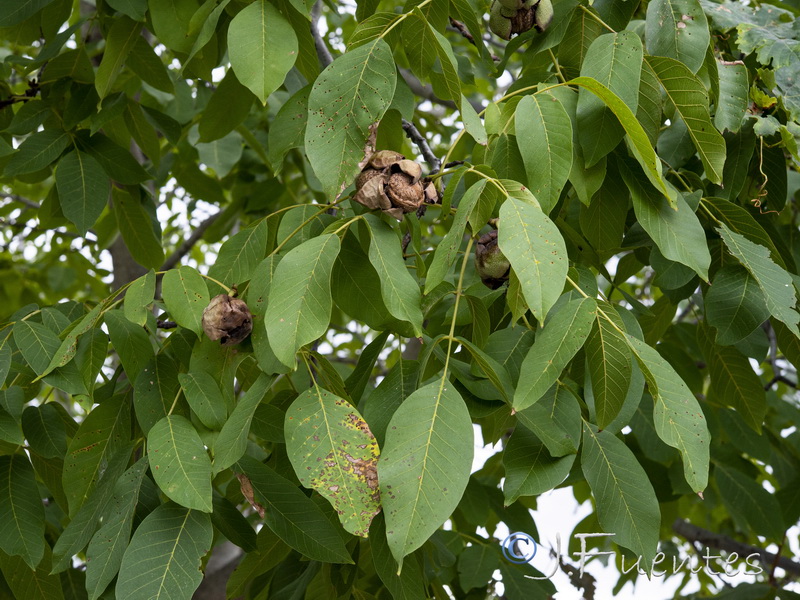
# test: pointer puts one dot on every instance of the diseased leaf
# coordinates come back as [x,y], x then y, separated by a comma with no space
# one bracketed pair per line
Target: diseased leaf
[348,98]
[333,452]
[677,29]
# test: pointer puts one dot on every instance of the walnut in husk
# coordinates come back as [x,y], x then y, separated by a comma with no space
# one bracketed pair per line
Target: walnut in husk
[227,319]
[393,184]
[507,17]
[492,266]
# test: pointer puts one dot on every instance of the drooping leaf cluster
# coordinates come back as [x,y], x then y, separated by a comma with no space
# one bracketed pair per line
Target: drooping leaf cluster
[639,164]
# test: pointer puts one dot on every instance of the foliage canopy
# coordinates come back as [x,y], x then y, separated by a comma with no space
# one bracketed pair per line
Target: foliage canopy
[624,183]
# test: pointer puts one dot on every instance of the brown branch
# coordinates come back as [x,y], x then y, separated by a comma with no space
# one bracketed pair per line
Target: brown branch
[166,324]
[415,136]
[462,29]
[323,53]
[189,243]
[693,533]
[21,200]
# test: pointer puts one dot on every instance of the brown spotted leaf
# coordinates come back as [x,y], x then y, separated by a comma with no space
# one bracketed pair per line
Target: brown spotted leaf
[347,99]
[333,451]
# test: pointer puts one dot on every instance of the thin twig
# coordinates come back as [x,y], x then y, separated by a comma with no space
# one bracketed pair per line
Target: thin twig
[21,200]
[189,243]
[323,53]
[415,136]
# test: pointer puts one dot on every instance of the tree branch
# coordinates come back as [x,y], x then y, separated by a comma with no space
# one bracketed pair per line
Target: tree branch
[415,136]
[693,533]
[189,242]
[21,200]
[324,55]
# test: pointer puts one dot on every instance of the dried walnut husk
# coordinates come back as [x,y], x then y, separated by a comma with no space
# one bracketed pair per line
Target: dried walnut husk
[227,319]
[393,184]
[492,266]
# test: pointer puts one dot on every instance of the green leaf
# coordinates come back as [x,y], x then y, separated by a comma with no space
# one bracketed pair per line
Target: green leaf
[205,398]
[179,463]
[155,390]
[37,344]
[679,421]
[143,61]
[677,233]
[752,507]
[626,503]
[139,297]
[107,546]
[333,452]
[165,554]
[677,29]
[232,524]
[400,291]
[228,106]
[690,98]
[530,470]
[135,9]
[270,553]
[83,189]
[424,465]
[733,381]
[21,512]
[447,250]
[348,98]
[204,23]
[37,151]
[356,382]
[640,144]
[12,13]
[186,295]
[609,361]
[262,47]
[555,345]
[615,61]
[240,254]
[399,383]
[231,442]
[299,308]
[287,130]
[544,136]
[556,420]
[5,361]
[494,371]
[476,564]
[81,527]
[734,305]
[104,431]
[29,584]
[537,253]
[292,515]
[69,346]
[733,96]
[171,20]
[136,227]
[121,39]
[44,431]
[742,222]
[131,343]
[775,283]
